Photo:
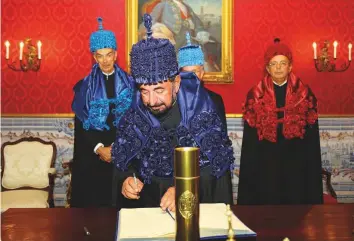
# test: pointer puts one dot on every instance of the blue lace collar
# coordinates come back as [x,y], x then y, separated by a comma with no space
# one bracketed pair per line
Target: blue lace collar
[90,103]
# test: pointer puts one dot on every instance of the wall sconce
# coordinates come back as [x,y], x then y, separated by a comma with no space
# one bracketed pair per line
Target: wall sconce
[323,63]
[29,59]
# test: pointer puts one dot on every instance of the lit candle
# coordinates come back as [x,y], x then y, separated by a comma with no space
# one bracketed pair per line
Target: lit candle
[21,49]
[350,51]
[335,49]
[7,44]
[39,45]
[314,45]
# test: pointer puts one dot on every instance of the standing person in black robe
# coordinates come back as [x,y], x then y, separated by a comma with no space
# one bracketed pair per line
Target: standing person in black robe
[99,102]
[280,156]
[191,59]
[167,112]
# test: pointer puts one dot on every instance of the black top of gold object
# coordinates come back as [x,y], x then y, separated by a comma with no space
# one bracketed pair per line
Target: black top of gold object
[186,162]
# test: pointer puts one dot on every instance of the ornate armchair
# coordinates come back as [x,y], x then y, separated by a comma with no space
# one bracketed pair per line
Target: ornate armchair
[329,195]
[27,173]
[68,166]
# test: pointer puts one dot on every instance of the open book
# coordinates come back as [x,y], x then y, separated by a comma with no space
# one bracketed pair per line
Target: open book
[155,224]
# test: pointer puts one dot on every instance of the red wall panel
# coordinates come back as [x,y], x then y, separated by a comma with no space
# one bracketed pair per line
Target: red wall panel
[64,27]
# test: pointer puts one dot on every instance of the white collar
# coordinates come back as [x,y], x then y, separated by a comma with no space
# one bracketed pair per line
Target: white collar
[108,74]
[281,83]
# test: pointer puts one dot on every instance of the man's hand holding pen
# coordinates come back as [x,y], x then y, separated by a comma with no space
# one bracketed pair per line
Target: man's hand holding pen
[168,200]
[132,187]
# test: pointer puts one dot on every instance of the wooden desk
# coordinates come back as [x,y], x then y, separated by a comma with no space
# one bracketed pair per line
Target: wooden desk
[272,223]
[62,224]
[299,223]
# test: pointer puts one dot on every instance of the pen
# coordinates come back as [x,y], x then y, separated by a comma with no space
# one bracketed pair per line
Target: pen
[86,231]
[168,211]
[135,181]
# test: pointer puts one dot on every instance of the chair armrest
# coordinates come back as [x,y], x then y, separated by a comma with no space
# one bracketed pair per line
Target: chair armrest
[52,171]
[330,189]
[67,163]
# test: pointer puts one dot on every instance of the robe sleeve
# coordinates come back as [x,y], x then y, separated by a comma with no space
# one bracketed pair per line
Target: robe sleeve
[91,137]
[118,200]
[219,104]
[213,189]
[221,110]
[314,165]
[248,177]
[88,171]
[223,189]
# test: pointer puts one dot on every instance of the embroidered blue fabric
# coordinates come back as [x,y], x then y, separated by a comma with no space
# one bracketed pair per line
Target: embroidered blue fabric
[99,110]
[91,104]
[140,135]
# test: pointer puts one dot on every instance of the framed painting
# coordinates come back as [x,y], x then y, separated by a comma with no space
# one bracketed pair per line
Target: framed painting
[209,23]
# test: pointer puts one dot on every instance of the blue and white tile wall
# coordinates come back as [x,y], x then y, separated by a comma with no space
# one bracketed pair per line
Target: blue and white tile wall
[337,145]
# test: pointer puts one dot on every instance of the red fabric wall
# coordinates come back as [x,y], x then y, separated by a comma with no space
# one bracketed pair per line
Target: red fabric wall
[64,27]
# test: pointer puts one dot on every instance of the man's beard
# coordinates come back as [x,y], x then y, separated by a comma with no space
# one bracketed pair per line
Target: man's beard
[157,112]
[162,112]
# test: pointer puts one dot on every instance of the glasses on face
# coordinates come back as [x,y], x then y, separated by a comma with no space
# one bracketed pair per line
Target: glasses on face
[281,64]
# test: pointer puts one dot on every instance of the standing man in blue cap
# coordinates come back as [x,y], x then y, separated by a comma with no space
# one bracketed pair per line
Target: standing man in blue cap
[100,100]
[191,59]
[165,113]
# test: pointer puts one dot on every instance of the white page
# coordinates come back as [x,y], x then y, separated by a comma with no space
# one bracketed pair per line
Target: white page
[213,215]
[145,222]
[213,221]
[153,222]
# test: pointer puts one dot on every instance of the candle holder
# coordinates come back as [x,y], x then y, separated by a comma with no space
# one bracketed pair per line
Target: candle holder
[230,232]
[324,64]
[30,59]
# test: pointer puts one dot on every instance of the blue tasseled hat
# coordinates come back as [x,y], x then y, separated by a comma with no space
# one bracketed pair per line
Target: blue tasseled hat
[152,60]
[102,38]
[190,54]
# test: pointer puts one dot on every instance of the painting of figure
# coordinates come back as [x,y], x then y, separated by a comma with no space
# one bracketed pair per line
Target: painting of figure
[172,19]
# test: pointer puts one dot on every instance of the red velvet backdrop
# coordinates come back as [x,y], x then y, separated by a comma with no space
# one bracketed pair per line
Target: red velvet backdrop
[64,27]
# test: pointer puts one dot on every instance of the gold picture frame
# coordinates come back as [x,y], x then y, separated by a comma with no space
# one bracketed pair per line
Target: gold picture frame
[225,75]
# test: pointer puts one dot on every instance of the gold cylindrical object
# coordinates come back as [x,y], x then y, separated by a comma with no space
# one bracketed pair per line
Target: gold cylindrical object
[186,171]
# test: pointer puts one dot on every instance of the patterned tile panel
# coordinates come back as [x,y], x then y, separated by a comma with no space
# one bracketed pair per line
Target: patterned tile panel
[337,146]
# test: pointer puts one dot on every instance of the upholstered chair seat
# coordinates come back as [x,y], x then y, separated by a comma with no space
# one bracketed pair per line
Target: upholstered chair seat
[24,199]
